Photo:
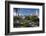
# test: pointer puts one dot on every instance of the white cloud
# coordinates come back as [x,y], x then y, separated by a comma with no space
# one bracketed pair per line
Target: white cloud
[14,13]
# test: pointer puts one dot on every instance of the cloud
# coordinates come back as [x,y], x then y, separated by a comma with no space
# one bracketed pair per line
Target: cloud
[14,14]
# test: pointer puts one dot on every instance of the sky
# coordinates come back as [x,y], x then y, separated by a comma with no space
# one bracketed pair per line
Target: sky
[25,11]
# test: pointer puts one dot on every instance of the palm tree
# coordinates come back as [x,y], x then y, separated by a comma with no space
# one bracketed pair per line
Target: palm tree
[17,12]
